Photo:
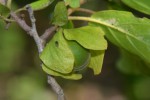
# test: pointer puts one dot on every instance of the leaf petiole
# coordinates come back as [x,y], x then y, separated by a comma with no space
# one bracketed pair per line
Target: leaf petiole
[95,21]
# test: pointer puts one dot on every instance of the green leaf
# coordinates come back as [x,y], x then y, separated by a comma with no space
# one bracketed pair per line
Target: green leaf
[89,37]
[140,5]
[126,31]
[73,3]
[40,4]
[66,76]
[96,61]
[57,55]
[4,11]
[60,17]
[132,64]
[68,25]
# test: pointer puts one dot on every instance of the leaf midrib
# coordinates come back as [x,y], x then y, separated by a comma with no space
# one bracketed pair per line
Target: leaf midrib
[105,24]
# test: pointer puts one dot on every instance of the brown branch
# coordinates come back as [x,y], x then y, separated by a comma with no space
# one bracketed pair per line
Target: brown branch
[56,88]
[33,30]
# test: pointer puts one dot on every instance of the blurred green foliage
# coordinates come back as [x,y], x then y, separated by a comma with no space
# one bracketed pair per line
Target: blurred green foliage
[29,87]
[12,44]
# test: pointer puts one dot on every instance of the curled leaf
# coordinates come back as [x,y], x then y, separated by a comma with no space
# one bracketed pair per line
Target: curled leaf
[71,76]
[57,54]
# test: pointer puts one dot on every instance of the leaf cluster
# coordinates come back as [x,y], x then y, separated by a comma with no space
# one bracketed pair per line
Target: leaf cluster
[79,48]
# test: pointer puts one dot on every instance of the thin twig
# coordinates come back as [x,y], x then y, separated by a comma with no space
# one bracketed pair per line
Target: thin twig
[6,19]
[33,32]
[48,33]
[56,87]
[21,23]
[70,10]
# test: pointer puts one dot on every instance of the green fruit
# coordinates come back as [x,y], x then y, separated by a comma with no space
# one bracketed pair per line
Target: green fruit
[81,55]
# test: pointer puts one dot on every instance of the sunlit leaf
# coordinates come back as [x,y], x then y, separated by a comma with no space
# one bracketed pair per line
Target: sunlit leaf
[140,5]
[96,61]
[60,16]
[57,55]
[40,4]
[126,31]
[88,36]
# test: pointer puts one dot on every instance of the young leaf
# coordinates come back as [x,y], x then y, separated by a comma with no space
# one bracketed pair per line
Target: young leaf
[57,55]
[73,3]
[4,11]
[40,4]
[89,37]
[126,31]
[60,17]
[96,61]
[66,76]
[140,5]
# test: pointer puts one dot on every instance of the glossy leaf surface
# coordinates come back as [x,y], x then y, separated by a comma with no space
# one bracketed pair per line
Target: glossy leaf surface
[60,17]
[126,31]
[57,54]
[140,5]
[89,37]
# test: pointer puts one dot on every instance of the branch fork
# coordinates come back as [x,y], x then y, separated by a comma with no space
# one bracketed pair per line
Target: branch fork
[32,31]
